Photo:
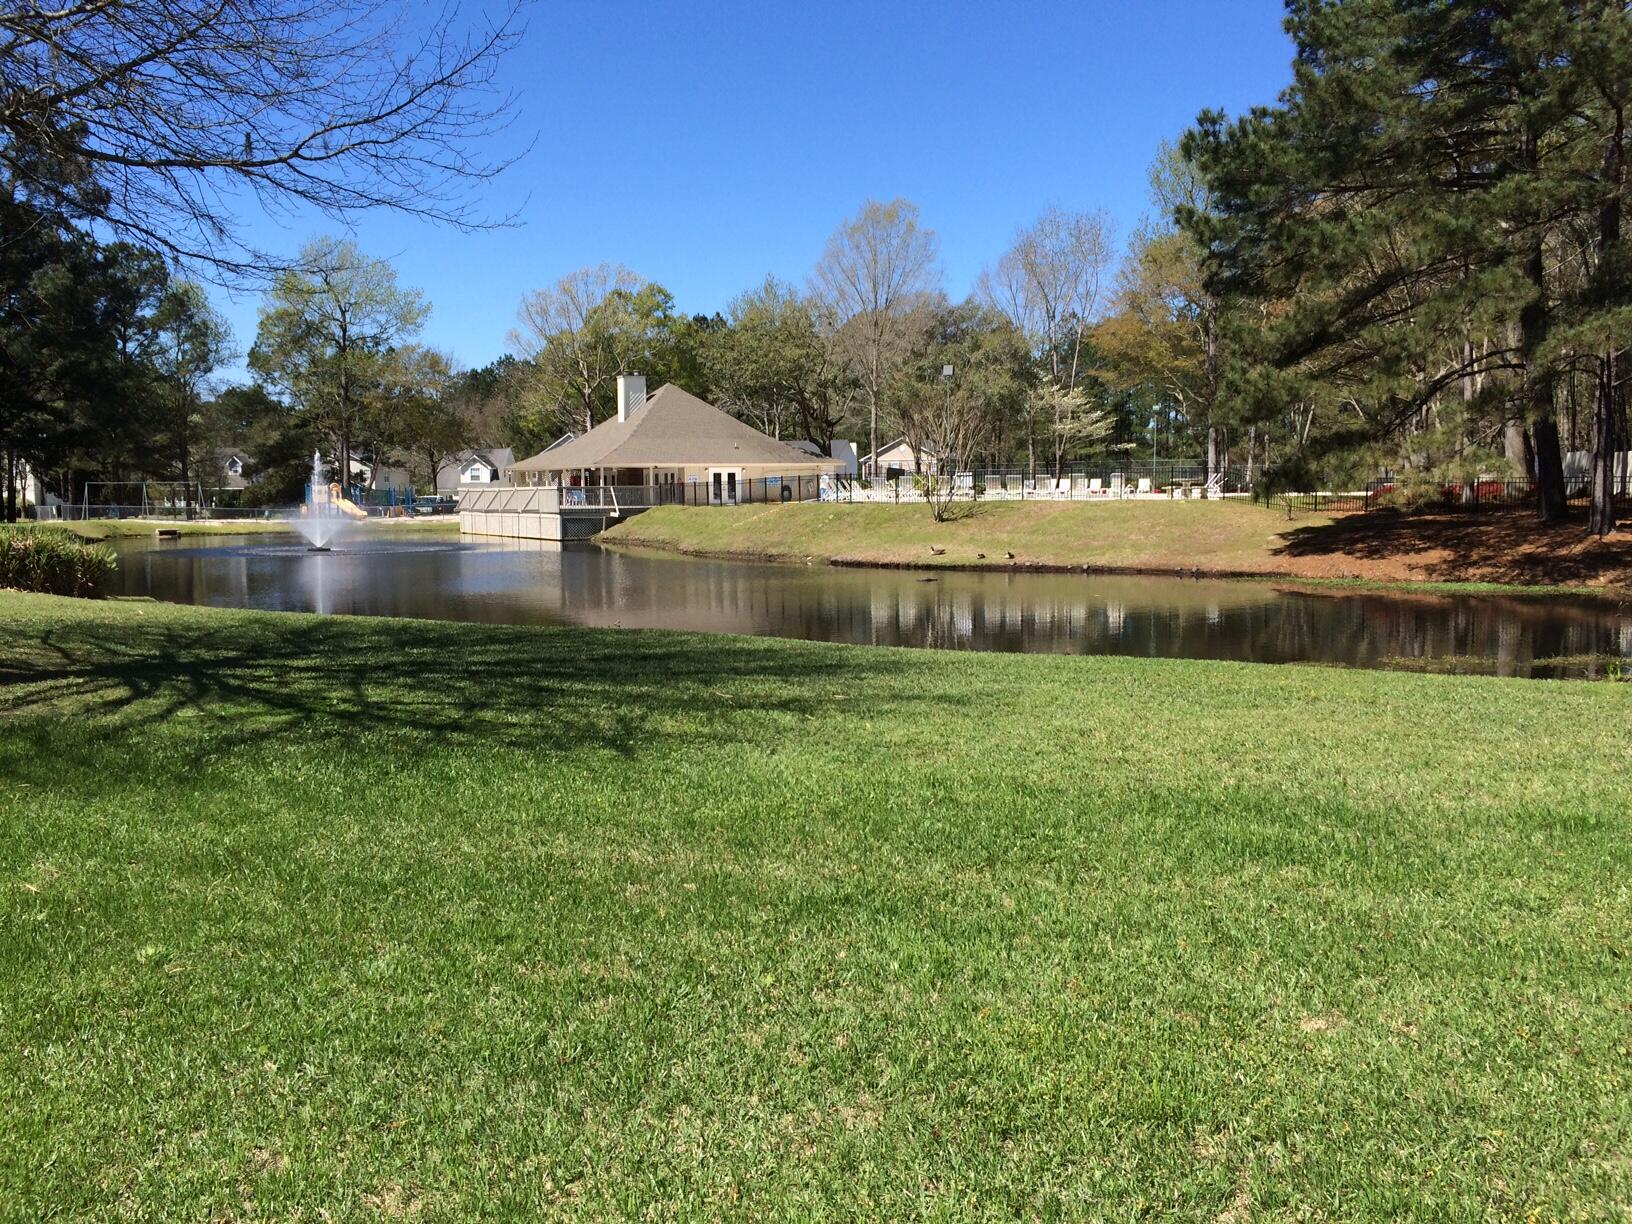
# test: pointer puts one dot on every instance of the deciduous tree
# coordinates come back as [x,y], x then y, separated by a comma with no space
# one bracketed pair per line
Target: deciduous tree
[578,335]
[774,364]
[877,277]
[190,341]
[1048,284]
[324,328]
[160,121]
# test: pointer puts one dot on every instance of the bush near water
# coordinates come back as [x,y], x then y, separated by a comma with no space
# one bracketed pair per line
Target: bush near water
[53,562]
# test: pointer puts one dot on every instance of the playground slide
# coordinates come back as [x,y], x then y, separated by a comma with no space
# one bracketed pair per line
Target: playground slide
[348,508]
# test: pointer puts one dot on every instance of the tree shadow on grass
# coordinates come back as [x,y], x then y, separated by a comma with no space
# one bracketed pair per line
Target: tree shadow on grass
[964,512]
[417,682]
[1452,546]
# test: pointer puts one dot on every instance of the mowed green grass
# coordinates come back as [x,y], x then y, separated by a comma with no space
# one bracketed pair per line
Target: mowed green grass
[1219,536]
[311,918]
[119,529]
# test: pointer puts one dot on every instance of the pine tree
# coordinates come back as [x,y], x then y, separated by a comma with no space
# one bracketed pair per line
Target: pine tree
[1392,217]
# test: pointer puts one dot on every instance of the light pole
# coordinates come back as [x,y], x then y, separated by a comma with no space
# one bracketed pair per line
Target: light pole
[946,420]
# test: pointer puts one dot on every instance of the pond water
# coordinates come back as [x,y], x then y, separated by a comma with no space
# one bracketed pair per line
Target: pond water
[525,582]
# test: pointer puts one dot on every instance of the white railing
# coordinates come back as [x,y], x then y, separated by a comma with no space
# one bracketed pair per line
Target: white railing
[510,501]
[551,500]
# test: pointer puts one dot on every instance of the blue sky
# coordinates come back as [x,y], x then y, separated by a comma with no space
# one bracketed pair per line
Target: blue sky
[706,145]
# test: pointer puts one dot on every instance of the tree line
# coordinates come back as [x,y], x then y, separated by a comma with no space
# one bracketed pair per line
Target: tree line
[869,348]
[1414,262]
[1419,257]
[131,136]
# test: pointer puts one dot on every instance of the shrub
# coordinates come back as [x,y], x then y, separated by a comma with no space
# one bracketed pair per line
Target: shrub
[53,562]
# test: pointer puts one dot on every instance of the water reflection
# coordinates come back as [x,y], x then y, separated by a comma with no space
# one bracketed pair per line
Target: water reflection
[541,583]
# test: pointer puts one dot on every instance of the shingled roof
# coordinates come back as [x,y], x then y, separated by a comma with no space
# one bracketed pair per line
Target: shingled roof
[673,427]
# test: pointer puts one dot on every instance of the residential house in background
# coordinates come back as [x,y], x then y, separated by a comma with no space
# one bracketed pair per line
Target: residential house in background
[898,458]
[226,471]
[475,469]
[842,451]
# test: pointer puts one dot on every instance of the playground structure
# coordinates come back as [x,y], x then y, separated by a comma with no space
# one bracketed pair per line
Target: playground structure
[330,500]
[322,516]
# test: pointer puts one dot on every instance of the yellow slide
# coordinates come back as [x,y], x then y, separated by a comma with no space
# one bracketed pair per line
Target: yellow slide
[345,505]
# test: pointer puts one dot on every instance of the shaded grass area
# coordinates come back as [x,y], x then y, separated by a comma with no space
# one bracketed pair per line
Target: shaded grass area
[305,915]
[1495,546]
[1495,549]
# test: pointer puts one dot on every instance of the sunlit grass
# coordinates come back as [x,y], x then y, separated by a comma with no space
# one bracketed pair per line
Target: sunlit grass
[304,915]
[129,528]
[1447,552]
[1232,536]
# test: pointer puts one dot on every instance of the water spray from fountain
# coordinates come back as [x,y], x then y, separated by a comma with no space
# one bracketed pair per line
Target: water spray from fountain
[327,511]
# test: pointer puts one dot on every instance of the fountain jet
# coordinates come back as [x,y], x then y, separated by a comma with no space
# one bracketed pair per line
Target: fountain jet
[322,517]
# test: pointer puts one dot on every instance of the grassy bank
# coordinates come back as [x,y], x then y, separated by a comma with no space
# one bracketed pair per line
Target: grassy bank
[304,915]
[1229,537]
[120,529]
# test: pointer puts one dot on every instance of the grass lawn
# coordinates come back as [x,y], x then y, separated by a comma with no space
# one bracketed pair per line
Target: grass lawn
[1233,536]
[304,916]
[118,529]
[1497,549]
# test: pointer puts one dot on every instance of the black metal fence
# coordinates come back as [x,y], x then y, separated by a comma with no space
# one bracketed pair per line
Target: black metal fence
[1322,503]
[1389,493]
[1472,494]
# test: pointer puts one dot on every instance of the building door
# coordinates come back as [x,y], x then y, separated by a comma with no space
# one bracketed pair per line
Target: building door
[722,486]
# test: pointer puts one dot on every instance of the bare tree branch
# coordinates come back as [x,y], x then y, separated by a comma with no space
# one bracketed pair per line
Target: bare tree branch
[159,120]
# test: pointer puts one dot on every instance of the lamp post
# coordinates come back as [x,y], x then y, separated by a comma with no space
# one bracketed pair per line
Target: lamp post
[946,421]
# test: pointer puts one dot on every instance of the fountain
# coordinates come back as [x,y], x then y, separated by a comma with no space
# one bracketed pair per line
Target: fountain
[326,511]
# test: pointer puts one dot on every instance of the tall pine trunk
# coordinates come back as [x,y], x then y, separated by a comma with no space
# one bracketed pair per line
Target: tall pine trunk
[1605,435]
[1534,319]
[1549,457]
[1516,447]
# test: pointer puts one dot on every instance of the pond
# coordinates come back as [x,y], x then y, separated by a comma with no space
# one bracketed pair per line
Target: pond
[525,582]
